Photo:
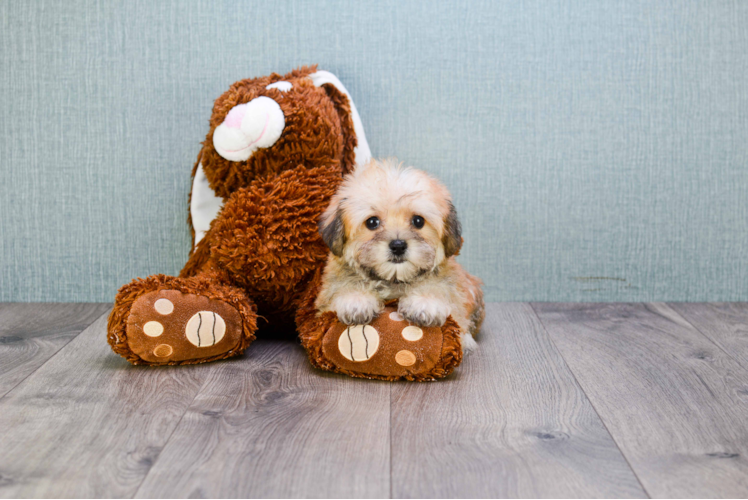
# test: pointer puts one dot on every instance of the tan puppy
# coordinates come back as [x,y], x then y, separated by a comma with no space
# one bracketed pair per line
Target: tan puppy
[393,233]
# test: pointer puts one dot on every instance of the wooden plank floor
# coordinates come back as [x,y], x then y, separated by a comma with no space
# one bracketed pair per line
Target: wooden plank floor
[30,335]
[560,400]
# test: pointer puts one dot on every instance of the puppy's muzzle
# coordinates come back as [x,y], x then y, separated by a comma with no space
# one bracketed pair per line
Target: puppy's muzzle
[398,249]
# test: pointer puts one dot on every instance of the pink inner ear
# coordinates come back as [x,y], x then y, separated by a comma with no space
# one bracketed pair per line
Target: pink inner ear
[235,116]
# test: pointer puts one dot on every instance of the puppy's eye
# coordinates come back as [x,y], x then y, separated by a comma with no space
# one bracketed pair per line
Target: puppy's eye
[372,223]
[418,221]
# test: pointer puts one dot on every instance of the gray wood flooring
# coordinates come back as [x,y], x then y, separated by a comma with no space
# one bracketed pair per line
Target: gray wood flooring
[560,400]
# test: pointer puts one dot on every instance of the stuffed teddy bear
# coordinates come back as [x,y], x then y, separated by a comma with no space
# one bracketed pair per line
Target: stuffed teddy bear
[277,149]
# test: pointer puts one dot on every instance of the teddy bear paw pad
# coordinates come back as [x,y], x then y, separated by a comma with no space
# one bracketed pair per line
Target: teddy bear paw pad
[389,346]
[168,326]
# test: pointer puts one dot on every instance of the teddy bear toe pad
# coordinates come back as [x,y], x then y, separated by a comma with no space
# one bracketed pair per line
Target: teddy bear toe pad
[167,326]
[389,346]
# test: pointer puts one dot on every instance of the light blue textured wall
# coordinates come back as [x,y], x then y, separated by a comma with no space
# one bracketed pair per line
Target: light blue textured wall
[596,149]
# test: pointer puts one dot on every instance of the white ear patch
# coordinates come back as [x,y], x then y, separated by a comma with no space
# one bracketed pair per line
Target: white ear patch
[362,151]
[249,127]
[282,86]
[204,204]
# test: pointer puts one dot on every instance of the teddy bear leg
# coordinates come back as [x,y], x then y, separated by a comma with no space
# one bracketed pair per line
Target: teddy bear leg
[165,320]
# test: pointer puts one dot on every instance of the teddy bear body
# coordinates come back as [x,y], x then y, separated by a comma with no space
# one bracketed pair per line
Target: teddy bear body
[261,245]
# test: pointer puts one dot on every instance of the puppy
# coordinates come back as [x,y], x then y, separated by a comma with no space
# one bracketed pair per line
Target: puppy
[393,234]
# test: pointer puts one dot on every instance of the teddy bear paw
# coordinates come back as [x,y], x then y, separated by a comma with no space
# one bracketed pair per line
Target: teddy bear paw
[168,326]
[391,347]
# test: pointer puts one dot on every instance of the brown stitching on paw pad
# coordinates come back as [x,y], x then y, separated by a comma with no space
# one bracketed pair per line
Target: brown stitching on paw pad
[358,343]
[205,329]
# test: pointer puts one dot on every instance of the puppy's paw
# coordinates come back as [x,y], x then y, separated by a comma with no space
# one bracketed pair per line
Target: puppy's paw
[424,311]
[356,308]
[468,343]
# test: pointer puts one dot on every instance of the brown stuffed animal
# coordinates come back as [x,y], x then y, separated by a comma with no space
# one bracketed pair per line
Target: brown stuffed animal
[277,149]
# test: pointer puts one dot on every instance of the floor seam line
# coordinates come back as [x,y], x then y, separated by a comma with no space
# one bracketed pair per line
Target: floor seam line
[390,438]
[53,355]
[707,337]
[602,421]
[166,443]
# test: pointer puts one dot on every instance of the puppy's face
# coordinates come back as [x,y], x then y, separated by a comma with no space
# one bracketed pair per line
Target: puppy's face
[391,223]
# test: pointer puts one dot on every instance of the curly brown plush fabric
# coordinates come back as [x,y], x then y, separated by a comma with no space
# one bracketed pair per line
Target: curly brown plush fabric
[267,237]
[263,247]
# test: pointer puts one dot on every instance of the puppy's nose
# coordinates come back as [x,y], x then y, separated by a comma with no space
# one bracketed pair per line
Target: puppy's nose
[398,247]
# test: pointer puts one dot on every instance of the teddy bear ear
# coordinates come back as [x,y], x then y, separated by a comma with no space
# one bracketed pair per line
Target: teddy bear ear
[357,150]
[204,203]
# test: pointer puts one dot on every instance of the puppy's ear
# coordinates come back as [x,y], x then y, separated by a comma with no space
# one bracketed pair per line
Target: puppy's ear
[452,239]
[332,229]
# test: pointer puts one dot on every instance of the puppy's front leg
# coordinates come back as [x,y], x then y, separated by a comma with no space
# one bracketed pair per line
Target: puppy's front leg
[355,307]
[424,309]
